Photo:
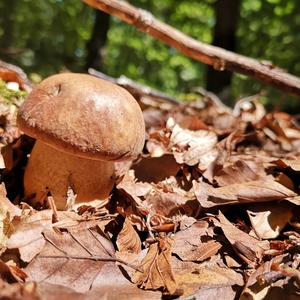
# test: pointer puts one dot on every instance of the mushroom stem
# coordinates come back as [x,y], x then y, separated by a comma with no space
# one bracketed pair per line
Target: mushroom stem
[51,170]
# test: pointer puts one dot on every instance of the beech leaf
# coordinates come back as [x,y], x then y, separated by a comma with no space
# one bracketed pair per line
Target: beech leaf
[195,243]
[157,268]
[249,248]
[262,190]
[268,219]
[128,239]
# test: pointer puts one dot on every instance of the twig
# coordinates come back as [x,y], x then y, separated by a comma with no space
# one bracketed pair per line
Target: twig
[137,89]
[52,206]
[219,58]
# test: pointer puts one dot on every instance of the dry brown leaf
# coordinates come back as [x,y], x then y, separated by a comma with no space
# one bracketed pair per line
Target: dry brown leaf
[6,204]
[128,239]
[169,202]
[238,172]
[294,164]
[192,278]
[134,188]
[73,259]
[49,291]
[262,190]
[110,284]
[155,169]
[17,291]
[27,236]
[223,292]
[157,268]
[7,213]
[268,219]
[201,252]
[193,147]
[249,248]
[254,290]
[195,243]
[154,118]
[9,272]
[274,130]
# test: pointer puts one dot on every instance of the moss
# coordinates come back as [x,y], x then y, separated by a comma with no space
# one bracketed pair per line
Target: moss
[10,95]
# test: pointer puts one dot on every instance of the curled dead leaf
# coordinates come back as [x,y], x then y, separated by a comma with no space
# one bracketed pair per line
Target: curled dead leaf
[158,272]
[128,239]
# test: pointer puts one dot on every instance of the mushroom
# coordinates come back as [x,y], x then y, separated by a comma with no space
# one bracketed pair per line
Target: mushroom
[82,125]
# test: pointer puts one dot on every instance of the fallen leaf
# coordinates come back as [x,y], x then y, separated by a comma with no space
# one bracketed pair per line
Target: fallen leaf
[111,284]
[170,202]
[27,236]
[223,292]
[262,190]
[193,147]
[11,273]
[155,169]
[288,163]
[17,291]
[268,219]
[7,213]
[238,172]
[195,243]
[254,290]
[250,249]
[74,259]
[192,278]
[128,239]
[157,268]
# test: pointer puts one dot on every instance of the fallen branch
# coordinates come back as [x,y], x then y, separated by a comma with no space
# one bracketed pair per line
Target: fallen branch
[136,89]
[217,57]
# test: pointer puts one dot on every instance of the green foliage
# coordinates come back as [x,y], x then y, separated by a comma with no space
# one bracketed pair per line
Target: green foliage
[47,36]
[269,30]
[142,58]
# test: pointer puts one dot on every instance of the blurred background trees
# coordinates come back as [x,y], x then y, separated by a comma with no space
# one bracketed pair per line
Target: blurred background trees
[45,37]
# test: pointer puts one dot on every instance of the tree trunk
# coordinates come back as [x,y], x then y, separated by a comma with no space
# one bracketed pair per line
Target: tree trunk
[226,14]
[7,23]
[97,40]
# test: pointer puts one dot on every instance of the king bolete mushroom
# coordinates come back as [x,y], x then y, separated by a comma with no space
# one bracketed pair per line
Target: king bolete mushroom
[82,125]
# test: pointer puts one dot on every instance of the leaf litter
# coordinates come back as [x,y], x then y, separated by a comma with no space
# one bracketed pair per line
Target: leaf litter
[209,210]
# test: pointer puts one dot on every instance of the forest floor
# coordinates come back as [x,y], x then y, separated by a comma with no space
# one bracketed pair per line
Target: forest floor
[209,210]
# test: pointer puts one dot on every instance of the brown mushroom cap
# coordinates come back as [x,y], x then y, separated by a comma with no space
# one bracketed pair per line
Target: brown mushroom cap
[84,115]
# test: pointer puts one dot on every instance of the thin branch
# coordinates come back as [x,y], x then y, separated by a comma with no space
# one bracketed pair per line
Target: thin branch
[137,89]
[219,58]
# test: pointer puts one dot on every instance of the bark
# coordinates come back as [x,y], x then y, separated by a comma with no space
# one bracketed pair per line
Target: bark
[97,41]
[227,15]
